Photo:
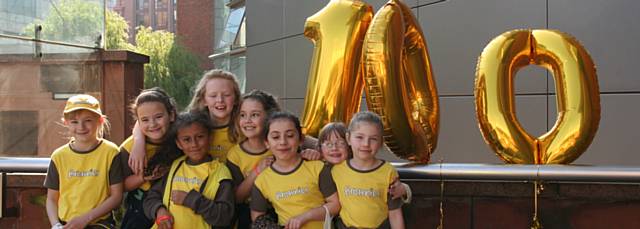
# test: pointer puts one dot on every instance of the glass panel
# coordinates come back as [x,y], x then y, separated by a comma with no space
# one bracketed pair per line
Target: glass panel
[236,64]
[78,22]
[33,91]
[232,26]
[220,12]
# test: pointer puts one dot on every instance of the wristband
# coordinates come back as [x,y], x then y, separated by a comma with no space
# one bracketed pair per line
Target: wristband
[255,170]
[162,218]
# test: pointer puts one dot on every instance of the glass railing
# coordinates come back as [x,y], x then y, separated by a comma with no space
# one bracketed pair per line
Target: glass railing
[76,22]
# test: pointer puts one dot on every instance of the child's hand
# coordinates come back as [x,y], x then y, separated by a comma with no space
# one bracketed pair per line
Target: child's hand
[158,172]
[295,222]
[137,160]
[164,220]
[79,222]
[396,189]
[264,163]
[311,155]
[178,197]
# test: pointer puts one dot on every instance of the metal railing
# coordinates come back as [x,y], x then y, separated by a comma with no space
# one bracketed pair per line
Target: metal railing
[444,171]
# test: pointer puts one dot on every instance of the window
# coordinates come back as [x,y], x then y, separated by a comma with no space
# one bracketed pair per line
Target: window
[230,41]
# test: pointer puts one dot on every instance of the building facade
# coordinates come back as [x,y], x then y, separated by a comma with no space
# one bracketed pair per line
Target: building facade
[156,14]
[278,57]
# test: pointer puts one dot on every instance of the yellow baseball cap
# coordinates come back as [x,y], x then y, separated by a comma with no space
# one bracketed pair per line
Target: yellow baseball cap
[79,102]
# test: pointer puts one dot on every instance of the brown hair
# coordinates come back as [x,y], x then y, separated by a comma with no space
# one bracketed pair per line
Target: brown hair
[332,128]
[154,94]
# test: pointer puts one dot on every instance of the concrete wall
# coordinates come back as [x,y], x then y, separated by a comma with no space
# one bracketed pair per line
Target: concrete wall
[278,58]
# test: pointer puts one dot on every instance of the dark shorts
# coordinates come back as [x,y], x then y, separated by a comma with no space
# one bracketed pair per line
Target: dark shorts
[134,217]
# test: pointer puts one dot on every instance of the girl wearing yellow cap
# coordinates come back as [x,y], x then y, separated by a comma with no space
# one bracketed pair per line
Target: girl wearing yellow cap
[84,179]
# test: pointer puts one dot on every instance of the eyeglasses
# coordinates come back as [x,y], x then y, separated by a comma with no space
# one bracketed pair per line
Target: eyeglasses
[338,144]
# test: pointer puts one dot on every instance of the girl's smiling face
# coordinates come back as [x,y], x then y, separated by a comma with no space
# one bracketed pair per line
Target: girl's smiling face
[334,149]
[83,126]
[365,140]
[193,140]
[251,118]
[154,120]
[283,139]
[219,98]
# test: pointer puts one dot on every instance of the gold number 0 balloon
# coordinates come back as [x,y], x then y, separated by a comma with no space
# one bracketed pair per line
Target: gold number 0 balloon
[577,99]
[335,80]
[399,82]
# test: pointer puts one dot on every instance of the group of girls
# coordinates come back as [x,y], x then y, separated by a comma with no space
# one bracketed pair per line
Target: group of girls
[228,161]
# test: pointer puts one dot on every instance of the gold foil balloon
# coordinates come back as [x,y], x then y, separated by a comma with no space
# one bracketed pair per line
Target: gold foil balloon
[399,82]
[334,87]
[578,100]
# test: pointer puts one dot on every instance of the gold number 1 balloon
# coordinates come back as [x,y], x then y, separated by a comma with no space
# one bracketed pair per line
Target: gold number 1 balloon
[334,87]
[577,99]
[399,82]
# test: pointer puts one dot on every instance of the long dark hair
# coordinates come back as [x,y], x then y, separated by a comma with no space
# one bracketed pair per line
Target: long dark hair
[169,151]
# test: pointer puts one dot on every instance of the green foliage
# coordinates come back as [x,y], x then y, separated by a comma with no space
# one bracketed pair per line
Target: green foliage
[71,21]
[117,32]
[171,66]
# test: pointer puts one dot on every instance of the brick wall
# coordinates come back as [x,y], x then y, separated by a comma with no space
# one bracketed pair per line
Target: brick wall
[195,28]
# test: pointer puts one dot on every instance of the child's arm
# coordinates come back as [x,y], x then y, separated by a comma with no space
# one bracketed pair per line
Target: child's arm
[138,158]
[400,190]
[259,204]
[310,154]
[136,180]
[395,219]
[52,206]
[216,212]
[244,189]
[113,201]
[153,201]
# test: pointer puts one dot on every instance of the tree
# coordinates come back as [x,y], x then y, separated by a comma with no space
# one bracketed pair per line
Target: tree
[171,67]
[117,32]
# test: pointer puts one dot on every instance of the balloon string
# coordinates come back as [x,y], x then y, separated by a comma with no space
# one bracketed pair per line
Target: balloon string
[537,188]
[441,226]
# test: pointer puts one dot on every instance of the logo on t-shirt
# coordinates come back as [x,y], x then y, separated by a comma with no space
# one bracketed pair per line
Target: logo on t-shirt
[292,192]
[88,173]
[370,192]
[193,181]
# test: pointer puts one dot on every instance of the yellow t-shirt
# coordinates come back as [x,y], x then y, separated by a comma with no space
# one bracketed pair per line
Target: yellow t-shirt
[220,143]
[363,194]
[185,177]
[83,178]
[244,160]
[150,150]
[293,193]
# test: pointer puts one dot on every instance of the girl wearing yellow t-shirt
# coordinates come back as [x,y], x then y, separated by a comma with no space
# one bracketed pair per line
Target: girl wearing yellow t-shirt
[197,191]
[218,96]
[84,179]
[154,111]
[246,159]
[332,143]
[302,192]
[363,181]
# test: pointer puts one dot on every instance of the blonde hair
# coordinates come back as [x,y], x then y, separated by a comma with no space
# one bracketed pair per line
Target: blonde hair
[103,129]
[197,102]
